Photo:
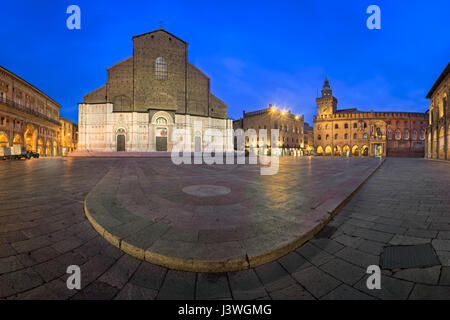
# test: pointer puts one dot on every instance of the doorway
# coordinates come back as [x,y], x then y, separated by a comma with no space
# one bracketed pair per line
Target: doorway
[120,143]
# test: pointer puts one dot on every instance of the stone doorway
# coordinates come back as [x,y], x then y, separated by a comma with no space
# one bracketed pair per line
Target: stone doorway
[161,139]
[120,143]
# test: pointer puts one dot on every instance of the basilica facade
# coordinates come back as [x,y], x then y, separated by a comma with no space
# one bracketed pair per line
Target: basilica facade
[149,95]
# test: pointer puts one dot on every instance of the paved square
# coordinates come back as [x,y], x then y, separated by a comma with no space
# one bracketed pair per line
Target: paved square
[222,217]
[43,230]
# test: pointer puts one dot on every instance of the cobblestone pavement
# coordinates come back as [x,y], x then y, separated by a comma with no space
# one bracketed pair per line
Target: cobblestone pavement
[43,230]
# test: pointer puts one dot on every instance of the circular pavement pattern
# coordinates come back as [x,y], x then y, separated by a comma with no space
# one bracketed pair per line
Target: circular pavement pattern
[206,190]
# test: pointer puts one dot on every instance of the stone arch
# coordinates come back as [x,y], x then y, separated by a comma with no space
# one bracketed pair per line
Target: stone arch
[40,147]
[441,143]
[337,151]
[48,148]
[328,151]
[365,151]
[435,144]
[162,114]
[162,123]
[120,138]
[319,151]
[355,151]
[346,149]
[55,148]
[448,141]
[4,142]
[18,140]
[30,137]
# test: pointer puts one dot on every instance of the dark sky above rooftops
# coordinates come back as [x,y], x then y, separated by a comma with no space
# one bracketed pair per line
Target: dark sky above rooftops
[255,52]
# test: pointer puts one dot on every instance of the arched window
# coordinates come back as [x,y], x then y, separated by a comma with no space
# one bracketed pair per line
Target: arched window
[406,135]
[319,137]
[414,135]
[346,126]
[365,125]
[346,136]
[355,136]
[398,134]
[355,125]
[336,126]
[327,127]
[422,134]
[335,136]
[365,136]
[389,135]
[161,120]
[160,69]
[327,137]
[319,127]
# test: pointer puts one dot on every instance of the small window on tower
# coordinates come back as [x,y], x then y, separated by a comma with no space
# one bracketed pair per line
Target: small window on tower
[160,69]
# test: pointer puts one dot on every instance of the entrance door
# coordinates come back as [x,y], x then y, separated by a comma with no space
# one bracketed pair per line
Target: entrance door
[161,139]
[161,143]
[120,143]
[378,150]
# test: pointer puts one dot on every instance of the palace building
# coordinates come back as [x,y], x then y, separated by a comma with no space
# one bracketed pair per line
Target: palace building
[438,131]
[28,117]
[359,133]
[290,126]
[149,95]
[69,136]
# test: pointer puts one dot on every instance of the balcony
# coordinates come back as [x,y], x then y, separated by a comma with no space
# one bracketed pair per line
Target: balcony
[28,110]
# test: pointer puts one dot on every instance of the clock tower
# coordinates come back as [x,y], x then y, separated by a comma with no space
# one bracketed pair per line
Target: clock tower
[326,104]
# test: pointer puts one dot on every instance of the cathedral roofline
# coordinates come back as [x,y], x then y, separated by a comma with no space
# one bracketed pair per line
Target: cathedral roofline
[159,30]
[124,60]
[438,81]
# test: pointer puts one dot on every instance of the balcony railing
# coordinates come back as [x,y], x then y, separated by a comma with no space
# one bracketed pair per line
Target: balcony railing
[28,110]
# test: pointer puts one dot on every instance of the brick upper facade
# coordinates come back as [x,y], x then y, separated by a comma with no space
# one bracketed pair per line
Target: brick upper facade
[146,82]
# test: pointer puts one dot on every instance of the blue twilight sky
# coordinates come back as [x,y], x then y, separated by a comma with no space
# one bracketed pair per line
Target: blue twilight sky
[255,52]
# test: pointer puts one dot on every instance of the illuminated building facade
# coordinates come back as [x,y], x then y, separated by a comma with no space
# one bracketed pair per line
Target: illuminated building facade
[69,136]
[438,131]
[28,117]
[290,126]
[351,132]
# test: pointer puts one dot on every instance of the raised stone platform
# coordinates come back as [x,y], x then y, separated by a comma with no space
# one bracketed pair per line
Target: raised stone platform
[95,154]
[222,217]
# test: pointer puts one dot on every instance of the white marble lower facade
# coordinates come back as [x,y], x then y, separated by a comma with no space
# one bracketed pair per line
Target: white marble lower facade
[102,130]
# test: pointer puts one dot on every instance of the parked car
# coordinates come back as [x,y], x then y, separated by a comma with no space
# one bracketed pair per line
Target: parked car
[33,154]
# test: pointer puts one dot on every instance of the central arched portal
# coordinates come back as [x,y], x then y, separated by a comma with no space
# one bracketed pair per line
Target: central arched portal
[161,134]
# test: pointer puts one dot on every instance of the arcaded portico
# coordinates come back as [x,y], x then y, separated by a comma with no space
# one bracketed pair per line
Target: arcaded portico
[28,117]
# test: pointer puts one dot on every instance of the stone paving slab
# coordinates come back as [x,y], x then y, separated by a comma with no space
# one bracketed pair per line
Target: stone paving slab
[218,218]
